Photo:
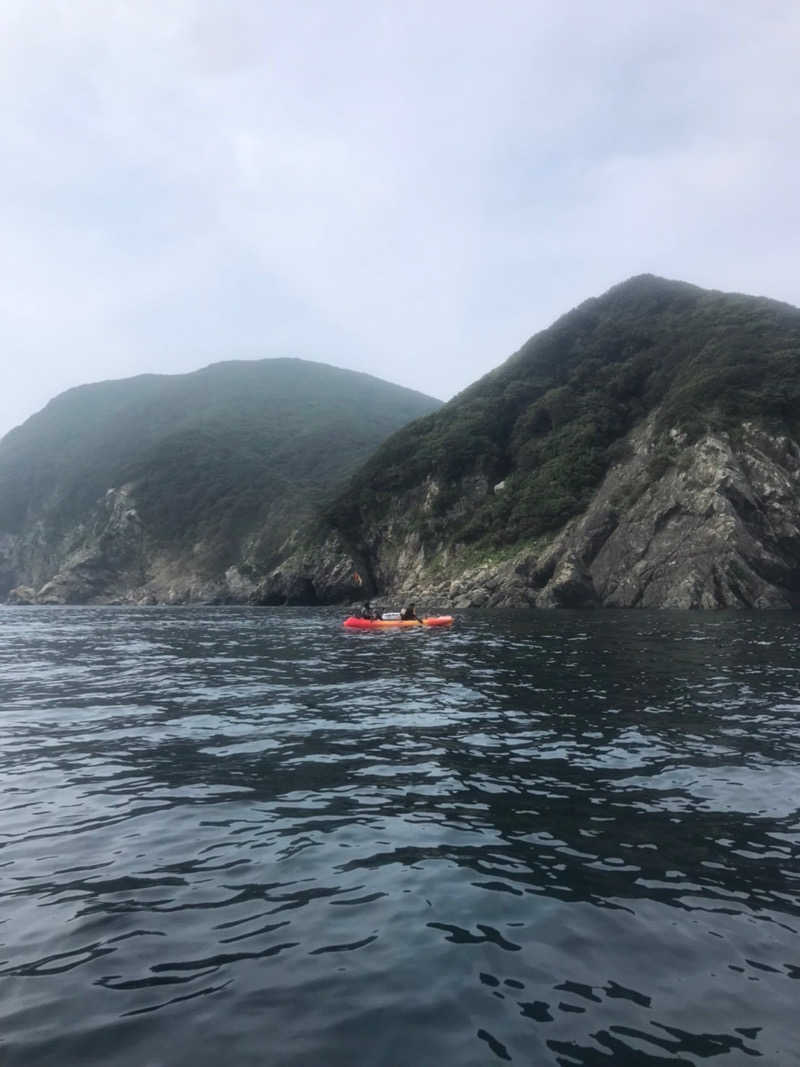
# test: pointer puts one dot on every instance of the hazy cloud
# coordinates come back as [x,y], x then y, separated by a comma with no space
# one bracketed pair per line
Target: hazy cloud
[411,189]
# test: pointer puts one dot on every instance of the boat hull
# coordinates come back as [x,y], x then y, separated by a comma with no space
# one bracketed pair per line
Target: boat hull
[354,623]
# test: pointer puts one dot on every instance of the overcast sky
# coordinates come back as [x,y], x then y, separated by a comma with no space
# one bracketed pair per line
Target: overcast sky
[410,188]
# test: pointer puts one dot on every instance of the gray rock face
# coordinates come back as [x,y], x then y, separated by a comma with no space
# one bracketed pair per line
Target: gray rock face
[109,559]
[326,574]
[113,558]
[719,528]
[22,594]
[713,524]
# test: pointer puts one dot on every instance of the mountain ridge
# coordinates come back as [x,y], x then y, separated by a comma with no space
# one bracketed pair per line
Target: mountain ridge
[217,469]
[507,466]
[641,451]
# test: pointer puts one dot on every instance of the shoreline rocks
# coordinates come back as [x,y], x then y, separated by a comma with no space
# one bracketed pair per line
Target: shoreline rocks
[715,524]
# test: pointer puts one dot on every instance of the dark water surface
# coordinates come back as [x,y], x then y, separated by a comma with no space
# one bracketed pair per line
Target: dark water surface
[247,836]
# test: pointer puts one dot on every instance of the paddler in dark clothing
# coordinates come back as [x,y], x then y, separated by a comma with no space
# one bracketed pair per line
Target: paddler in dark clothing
[408,614]
[367,612]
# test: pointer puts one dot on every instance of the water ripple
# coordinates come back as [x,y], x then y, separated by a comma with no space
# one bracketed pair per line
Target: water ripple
[558,838]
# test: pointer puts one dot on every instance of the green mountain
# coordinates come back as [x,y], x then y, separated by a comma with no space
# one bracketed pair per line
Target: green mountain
[642,451]
[218,468]
[642,375]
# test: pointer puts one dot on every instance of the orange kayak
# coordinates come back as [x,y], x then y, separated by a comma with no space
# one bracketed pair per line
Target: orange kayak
[354,623]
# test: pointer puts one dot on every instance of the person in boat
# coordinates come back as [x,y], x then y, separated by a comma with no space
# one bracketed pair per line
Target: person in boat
[367,612]
[408,614]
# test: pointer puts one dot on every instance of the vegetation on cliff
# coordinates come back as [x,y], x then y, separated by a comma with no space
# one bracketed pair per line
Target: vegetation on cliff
[236,450]
[550,421]
[691,396]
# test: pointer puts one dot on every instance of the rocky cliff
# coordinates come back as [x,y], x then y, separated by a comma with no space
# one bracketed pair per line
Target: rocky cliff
[182,488]
[715,526]
[641,452]
[116,559]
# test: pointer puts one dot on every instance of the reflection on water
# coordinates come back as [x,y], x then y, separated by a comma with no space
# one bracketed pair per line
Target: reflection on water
[557,838]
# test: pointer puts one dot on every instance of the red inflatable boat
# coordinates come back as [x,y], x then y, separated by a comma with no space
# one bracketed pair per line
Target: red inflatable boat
[354,623]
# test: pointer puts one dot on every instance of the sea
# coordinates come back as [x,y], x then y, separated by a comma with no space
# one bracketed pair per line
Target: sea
[248,836]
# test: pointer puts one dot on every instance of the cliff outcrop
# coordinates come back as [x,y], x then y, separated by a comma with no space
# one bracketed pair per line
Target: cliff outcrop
[181,488]
[711,524]
[115,558]
[641,452]
[719,527]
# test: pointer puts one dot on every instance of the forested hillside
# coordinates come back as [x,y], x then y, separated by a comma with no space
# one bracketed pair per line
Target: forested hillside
[642,451]
[222,464]
[550,421]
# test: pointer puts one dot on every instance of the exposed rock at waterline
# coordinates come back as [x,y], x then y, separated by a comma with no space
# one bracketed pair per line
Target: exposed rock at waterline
[22,594]
[719,528]
[715,526]
[640,452]
[223,472]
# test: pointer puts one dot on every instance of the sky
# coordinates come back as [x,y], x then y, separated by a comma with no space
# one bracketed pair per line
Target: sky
[407,188]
